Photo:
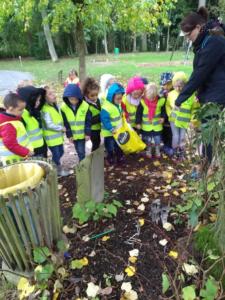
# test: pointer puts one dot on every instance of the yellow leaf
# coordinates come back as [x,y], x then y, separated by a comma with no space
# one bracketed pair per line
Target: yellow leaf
[142,172]
[25,288]
[168,181]
[212,217]
[132,259]
[141,159]
[23,282]
[157,163]
[166,194]
[167,175]
[173,254]
[84,261]
[141,221]
[197,226]
[183,189]
[67,229]
[175,193]
[105,238]
[130,270]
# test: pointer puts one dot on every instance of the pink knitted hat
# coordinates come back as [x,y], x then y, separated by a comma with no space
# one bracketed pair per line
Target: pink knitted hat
[134,83]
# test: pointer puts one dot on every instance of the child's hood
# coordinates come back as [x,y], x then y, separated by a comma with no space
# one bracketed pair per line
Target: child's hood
[114,89]
[4,117]
[29,94]
[104,80]
[179,76]
[72,90]
[134,83]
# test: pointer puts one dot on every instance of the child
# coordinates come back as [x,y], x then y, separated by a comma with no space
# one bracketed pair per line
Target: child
[111,117]
[53,129]
[31,117]
[14,141]
[106,81]
[179,117]
[90,91]
[72,78]
[131,100]
[166,87]
[150,117]
[77,118]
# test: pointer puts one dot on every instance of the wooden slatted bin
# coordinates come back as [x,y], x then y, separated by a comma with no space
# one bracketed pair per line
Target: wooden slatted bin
[29,212]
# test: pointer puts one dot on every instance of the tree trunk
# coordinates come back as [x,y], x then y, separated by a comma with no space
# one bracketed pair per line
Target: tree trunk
[201,3]
[134,42]
[81,48]
[168,39]
[48,36]
[96,45]
[144,42]
[105,42]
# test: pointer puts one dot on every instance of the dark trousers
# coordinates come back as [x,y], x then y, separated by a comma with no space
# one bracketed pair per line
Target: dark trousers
[41,151]
[95,139]
[112,149]
[57,153]
[167,135]
[80,148]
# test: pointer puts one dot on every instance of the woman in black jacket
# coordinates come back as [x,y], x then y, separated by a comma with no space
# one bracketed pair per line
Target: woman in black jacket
[208,76]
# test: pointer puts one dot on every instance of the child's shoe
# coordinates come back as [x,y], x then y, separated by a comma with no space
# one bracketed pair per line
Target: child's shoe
[61,172]
[149,152]
[167,150]
[157,151]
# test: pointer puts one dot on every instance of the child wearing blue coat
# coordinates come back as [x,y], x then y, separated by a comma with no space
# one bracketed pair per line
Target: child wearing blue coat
[111,119]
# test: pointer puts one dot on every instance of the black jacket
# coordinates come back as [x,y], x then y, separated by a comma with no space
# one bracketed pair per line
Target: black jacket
[208,76]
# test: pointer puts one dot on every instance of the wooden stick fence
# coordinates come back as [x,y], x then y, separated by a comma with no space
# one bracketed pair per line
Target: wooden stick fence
[30,219]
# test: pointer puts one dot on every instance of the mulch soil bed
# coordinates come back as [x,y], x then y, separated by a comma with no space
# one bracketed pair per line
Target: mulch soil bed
[129,183]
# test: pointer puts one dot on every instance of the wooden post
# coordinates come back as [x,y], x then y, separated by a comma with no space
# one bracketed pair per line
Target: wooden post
[90,177]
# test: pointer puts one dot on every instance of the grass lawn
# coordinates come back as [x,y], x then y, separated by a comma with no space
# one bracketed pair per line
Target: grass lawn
[148,64]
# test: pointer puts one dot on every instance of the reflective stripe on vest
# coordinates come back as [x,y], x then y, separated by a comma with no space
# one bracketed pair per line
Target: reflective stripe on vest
[52,137]
[154,124]
[76,122]
[33,130]
[115,117]
[131,110]
[95,112]
[183,115]
[22,139]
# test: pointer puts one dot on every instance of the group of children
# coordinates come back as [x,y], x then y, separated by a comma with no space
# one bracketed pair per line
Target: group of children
[33,122]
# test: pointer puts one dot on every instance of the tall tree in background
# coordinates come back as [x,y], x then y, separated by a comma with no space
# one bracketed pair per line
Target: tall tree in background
[22,11]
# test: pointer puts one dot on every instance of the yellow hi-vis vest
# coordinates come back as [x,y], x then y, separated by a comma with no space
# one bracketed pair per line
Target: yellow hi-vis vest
[170,103]
[154,124]
[33,130]
[52,137]
[22,139]
[131,109]
[184,114]
[77,122]
[115,117]
[95,112]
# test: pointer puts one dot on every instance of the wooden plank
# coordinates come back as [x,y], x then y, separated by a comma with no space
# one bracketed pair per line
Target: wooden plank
[43,216]
[83,180]
[58,221]
[34,207]
[6,233]
[10,222]
[20,224]
[97,175]
[26,219]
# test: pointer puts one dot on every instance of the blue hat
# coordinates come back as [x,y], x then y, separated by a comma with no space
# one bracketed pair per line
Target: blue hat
[72,90]
[115,88]
[166,77]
